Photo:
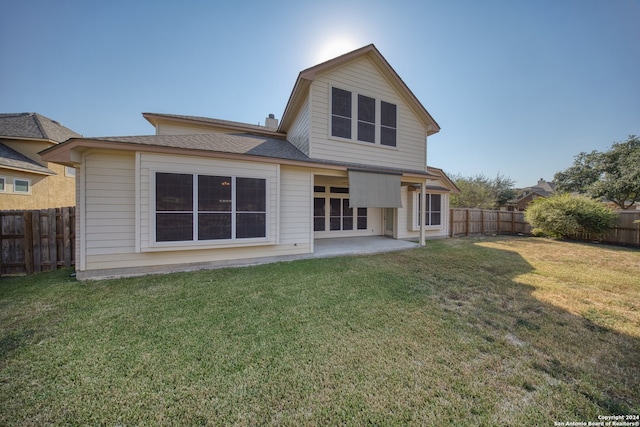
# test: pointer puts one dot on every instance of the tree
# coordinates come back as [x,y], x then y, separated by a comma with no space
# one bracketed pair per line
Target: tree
[613,174]
[564,215]
[482,192]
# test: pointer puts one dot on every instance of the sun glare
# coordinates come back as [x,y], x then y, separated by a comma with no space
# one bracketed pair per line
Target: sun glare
[335,47]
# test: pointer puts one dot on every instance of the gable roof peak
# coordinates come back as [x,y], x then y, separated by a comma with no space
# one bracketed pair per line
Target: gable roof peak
[310,73]
[307,76]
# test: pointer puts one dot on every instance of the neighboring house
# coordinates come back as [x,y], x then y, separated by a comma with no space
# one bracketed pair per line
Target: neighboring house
[529,194]
[348,159]
[25,181]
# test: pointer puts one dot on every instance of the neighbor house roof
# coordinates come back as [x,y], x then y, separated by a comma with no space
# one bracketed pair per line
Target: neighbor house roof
[11,159]
[33,126]
[155,118]
[306,77]
[237,146]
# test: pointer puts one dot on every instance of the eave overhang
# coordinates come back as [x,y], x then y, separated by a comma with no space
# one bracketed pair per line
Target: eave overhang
[70,153]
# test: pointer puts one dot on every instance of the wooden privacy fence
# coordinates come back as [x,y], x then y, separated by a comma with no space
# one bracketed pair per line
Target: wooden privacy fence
[36,240]
[43,240]
[626,232]
[473,222]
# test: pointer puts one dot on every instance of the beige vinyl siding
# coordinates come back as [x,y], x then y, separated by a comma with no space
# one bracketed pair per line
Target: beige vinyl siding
[109,220]
[298,135]
[109,209]
[403,216]
[295,205]
[362,77]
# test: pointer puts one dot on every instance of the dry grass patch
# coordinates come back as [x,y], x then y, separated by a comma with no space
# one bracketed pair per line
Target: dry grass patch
[600,283]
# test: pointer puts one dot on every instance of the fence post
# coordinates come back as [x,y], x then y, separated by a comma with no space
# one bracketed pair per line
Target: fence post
[468,224]
[28,242]
[450,222]
[36,241]
[53,239]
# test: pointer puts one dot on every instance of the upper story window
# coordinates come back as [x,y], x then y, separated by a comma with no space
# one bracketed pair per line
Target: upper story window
[388,123]
[366,119]
[2,184]
[341,113]
[376,120]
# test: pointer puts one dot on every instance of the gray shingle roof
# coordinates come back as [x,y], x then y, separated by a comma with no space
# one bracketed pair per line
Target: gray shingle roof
[34,125]
[219,142]
[211,121]
[245,144]
[9,158]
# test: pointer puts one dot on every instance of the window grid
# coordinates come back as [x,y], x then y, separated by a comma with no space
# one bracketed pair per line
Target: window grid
[208,209]
[373,120]
[331,211]
[433,214]
[388,124]
[341,111]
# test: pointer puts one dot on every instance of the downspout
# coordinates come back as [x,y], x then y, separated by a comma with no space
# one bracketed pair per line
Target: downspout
[423,213]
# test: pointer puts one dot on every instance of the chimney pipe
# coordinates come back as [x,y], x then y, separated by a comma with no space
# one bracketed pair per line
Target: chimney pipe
[271,122]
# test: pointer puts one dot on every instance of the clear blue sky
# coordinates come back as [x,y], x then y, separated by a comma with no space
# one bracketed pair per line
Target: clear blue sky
[518,87]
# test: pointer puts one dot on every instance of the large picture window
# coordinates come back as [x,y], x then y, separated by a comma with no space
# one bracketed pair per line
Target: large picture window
[192,207]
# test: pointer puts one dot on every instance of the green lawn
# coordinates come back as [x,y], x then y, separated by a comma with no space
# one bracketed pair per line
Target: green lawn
[495,331]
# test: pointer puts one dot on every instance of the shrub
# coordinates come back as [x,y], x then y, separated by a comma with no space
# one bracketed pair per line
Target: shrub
[564,215]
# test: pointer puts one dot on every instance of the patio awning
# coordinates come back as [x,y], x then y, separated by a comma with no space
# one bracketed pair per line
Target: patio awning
[374,189]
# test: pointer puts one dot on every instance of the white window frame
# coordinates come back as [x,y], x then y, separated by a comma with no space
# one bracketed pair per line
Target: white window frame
[327,195]
[355,118]
[28,181]
[416,212]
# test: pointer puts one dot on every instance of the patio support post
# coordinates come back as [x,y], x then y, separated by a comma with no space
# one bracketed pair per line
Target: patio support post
[423,213]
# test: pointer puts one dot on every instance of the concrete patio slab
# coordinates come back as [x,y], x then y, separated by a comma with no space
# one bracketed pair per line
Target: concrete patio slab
[324,248]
